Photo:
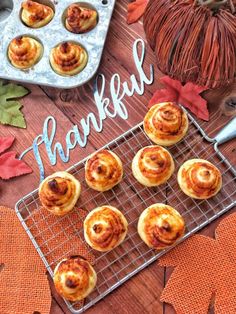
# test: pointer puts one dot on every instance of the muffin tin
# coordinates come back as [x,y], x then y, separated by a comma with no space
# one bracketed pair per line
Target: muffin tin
[50,36]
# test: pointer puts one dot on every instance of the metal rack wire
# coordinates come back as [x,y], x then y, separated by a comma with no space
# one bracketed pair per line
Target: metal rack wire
[55,238]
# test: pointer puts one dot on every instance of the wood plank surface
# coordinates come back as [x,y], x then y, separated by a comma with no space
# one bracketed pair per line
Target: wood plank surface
[140,294]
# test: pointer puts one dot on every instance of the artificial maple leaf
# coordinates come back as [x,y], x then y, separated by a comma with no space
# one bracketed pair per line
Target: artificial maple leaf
[10,166]
[24,286]
[136,10]
[9,108]
[186,95]
[205,269]
[6,142]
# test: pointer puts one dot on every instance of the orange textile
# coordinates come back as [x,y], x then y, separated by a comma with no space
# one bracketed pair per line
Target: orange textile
[59,237]
[205,270]
[24,286]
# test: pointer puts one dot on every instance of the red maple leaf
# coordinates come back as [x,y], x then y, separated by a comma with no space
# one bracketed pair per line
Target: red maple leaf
[136,10]
[10,166]
[5,143]
[186,95]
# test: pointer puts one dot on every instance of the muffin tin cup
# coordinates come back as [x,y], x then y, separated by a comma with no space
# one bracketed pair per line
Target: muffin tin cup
[48,3]
[50,36]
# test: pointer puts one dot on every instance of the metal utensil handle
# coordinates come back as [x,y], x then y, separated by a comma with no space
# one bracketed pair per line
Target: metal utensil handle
[227,133]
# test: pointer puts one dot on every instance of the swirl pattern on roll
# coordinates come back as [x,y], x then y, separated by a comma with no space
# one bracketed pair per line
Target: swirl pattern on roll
[59,193]
[200,179]
[160,226]
[153,165]
[74,278]
[105,228]
[103,170]
[35,14]
[24,52]
[166,123]
[80,19]
[68,58]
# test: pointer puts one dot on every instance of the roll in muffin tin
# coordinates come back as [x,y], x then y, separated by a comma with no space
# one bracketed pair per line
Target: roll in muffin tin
[50,36]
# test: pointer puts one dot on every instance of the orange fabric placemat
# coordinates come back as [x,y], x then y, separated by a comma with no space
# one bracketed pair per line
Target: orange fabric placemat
[205,271]
[24,286]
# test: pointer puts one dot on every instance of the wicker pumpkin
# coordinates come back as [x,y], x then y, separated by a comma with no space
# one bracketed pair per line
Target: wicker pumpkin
[193,40]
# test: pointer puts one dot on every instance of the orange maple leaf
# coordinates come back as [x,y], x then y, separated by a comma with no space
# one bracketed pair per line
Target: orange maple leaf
[24,286]
[136,10]
[205,269]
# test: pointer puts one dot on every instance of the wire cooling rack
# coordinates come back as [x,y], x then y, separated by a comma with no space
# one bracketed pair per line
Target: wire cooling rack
[55,238]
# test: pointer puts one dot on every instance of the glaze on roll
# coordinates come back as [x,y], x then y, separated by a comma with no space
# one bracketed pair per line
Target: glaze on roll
[103,170]
[80,19]
[160,226]
[153,165]
[24,52]
[165,124]
[105,228]
[200,179]
[59,193]
[74,278]
[35,14]
[68,58]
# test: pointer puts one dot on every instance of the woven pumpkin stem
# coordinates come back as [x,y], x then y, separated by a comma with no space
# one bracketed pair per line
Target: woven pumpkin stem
[212,4]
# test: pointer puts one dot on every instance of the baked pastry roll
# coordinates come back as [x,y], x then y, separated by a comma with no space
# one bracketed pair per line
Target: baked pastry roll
[105,228]
[59,192]
[74,278]
[165,123]
[153,165]
[160,226]
[200,179]
[24,52]
[68,58]
[103,170]
[35,14]
[80,19]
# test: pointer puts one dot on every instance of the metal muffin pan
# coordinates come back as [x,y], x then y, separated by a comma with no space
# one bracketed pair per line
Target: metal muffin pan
[50,36]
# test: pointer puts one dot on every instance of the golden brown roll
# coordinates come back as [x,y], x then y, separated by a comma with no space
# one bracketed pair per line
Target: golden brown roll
[24,52]
[165,123]
[160,226]
[74,278]
[105,228]
[80,19]
[103,170]
[153,165]
[200,179]
[35,14]
[68,58]
[59,192]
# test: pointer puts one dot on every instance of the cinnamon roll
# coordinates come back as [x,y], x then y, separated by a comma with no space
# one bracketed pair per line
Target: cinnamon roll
[200,179]
[80,19]
[160,226]
[68,58]
[165,123]
[35,14]
[103,170]
[59,193]
[153,165]
[74,278]
[105,228]
[24,52]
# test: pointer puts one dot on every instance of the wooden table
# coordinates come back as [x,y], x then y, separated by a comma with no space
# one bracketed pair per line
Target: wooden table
[140,294]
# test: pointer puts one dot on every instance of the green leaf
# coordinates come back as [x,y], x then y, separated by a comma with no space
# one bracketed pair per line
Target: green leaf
[9,107]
